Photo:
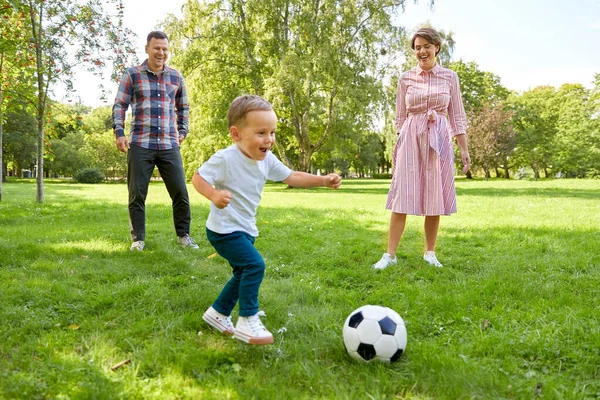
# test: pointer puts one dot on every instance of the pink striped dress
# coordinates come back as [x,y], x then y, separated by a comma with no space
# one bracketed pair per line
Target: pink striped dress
[429,113]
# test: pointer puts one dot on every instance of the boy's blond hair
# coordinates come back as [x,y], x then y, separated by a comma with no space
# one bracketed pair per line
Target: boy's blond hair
[242,105]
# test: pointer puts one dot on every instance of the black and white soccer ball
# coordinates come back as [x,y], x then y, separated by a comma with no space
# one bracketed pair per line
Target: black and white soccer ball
[374,333]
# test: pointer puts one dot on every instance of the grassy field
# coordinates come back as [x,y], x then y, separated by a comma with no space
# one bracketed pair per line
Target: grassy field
[514,313]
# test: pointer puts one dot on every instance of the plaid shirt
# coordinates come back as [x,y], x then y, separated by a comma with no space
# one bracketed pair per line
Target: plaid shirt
[159,106]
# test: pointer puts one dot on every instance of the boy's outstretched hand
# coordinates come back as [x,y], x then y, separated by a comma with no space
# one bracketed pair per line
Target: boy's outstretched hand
[333,181]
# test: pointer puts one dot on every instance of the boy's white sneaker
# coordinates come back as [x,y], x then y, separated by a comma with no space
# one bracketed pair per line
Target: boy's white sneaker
[137,245]
[252,331]
[220,322]
[431,259]
[386,261]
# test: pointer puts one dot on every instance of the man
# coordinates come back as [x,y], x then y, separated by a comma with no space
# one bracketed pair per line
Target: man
[159,125]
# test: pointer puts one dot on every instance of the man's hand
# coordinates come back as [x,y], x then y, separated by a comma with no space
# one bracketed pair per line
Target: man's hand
[221,198]
[180,138]
[122,144]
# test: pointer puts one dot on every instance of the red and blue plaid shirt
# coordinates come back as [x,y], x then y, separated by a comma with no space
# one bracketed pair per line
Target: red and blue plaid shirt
[159,106]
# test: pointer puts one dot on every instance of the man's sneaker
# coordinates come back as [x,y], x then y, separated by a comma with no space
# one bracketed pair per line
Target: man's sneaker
[187,241]
[386,261]
[252,331]
[137,245]
[432,259]
[219,321]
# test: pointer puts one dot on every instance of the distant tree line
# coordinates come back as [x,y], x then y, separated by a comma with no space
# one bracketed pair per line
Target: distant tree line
[330,69]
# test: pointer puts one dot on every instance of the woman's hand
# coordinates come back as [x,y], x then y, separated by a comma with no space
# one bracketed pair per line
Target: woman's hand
[466,160]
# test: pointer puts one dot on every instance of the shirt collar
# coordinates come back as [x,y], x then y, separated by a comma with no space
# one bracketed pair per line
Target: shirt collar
[435,70]
[145,67]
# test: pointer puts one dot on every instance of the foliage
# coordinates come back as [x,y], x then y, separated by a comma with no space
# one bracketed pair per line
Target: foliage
[575,136]
[68,157]
[491,137]
[534,122]
[19,138]
[89,175]
[14,71]
[62,34]
[382,176]
[512,315]
[479,89]
[320,64]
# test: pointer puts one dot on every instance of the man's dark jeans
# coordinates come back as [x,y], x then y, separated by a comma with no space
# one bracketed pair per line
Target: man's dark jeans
[140,165]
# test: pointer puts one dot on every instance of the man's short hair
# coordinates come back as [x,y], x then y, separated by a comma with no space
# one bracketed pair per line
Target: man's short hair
[156,35]
[242,105]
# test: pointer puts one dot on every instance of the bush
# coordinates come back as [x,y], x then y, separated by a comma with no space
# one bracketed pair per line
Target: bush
[89,175]
[382,176]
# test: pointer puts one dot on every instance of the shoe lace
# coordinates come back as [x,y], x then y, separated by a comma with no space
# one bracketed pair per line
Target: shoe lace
[256,324]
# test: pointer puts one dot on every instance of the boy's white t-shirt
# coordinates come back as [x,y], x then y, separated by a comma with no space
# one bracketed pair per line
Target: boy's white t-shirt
[229,169]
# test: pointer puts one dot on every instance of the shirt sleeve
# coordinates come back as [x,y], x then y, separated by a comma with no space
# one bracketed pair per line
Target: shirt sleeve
[401,113]
[182,108]
[122,101]
[456,109]
[213,170]
[276,170]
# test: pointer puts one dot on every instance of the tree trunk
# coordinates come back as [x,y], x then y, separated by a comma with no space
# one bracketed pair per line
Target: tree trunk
[469,175]
[39,173]
[506,174]
[488,175]
[3,179]
[41,106]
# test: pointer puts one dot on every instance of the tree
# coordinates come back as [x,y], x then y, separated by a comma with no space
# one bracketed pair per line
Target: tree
[320,63]
[64,34]
[100,144]
[20,138]
[594,105]
[534,122]
[15,71]
[479,89]
[575,133]
[491,138]
[483,95]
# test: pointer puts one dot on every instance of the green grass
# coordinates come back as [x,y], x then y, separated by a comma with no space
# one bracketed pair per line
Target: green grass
[523,256]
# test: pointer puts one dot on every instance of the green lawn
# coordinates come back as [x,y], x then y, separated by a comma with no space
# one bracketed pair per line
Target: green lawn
[514,313]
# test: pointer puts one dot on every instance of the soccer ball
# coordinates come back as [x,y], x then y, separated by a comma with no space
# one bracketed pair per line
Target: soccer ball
[374,333]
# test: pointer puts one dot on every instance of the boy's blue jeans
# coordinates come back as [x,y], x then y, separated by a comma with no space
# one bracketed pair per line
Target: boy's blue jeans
[248,272]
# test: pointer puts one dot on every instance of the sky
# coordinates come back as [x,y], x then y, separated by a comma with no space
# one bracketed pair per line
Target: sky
[527,43]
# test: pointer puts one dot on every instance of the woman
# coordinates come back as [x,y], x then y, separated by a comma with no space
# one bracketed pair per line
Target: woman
[429,113]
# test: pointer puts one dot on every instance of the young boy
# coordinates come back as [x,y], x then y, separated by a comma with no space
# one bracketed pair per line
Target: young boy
[233,179]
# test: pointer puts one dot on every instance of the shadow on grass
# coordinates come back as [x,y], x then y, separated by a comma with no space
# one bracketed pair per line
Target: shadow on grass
[464,188]
[533,192]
